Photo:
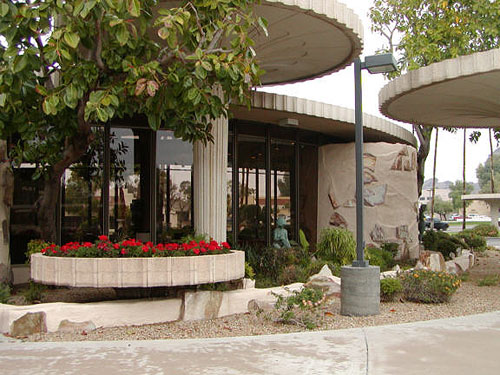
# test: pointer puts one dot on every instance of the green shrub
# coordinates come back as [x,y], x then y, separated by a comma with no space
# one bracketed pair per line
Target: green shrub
[429,286]
[298,308]
[389,289]
[4,293]
[337,245]
[392,247]
[303,240]
[446,247]
[473,240]
[249,272]
[485,230]
[442,242]
[35,246]
[35,292]
[489,280]
[274,266]
[379,257]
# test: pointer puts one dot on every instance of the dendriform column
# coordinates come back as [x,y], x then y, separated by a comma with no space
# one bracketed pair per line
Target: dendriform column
[494,206]
[210,183]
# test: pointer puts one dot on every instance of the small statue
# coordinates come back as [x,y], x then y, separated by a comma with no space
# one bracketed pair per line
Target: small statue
[280,235]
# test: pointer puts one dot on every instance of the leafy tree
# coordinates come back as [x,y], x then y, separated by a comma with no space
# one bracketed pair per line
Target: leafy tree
[483,173]
[457,192]
[421,32]
[442,207]
[66,66]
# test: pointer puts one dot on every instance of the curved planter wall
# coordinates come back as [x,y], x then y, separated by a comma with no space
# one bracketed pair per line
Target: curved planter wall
[137,272]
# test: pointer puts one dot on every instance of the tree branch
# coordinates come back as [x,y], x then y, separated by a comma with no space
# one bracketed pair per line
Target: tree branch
[98,49]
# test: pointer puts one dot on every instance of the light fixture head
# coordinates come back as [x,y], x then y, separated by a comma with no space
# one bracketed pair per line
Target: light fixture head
[289,122]
[384,63]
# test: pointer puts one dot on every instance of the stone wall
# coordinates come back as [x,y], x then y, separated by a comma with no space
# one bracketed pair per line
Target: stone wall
[390,193]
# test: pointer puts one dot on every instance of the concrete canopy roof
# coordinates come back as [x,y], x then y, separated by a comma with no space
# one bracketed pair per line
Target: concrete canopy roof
[460,92]
[307,39]
[482,197]
[320,117]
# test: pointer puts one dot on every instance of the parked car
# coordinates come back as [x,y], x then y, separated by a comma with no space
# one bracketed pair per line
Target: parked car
[438,224]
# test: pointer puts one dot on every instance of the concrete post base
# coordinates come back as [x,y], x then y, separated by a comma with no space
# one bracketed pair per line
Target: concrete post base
[360,291]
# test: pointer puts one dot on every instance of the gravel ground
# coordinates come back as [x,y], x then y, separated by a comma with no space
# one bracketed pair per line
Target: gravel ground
[469,299]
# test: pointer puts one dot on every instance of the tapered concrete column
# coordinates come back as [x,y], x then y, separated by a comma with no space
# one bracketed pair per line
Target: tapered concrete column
[494,206]
[210,183]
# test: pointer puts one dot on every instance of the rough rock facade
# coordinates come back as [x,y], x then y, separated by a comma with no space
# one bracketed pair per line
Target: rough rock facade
[390,195]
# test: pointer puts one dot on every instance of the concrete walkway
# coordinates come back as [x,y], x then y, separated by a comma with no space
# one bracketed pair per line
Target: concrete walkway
[465,345]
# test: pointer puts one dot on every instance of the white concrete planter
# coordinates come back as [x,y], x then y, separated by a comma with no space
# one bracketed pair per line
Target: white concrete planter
[137,272]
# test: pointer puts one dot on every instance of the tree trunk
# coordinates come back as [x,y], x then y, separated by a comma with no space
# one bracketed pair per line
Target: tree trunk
[424,137]
[434,180]
[464,184]
[75,147]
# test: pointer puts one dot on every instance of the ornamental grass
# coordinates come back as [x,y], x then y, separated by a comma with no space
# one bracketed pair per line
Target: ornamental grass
[132,248]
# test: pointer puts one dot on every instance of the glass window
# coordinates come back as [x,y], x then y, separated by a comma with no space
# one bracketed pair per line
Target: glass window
[252,189]
[130,183]
[81,196]
[283,184]
[23,213]
[308,196]
[174,159]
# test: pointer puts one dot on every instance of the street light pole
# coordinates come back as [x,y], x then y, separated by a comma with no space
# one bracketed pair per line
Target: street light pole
[360,287]
[358,114]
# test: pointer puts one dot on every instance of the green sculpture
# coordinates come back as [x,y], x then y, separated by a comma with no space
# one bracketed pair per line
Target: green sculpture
[280,235]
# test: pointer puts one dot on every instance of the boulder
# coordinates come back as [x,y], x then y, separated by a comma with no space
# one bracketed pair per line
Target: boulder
[395,272]
[29,324]
[452,268]
[325,281]
[257,305]
[248,284]
[69,326]
[465,261]
[432,260]
[200,305]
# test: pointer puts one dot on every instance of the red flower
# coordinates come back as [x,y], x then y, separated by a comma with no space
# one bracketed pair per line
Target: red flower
[103,238]
[226,245]
[116,246]
[145,249]
[123,252]
[196,251]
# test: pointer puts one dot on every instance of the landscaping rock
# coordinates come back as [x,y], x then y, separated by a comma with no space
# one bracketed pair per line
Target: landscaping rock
[465,261]
[395,272]
[248,284]
[69,326]
[257,305]
[29,324]
[452,268]
[325,281]
[419,266]
[200,305]
[432,260]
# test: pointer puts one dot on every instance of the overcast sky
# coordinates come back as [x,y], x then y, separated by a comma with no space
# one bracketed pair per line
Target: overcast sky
[338,89]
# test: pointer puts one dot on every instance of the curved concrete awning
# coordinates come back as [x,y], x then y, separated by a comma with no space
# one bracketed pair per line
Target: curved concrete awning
[307,39]
[460,92]
[320,117]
